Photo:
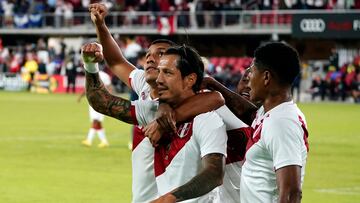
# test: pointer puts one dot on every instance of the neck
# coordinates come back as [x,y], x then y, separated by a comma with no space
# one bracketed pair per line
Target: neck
[183,96]
[276,97]
[154,93]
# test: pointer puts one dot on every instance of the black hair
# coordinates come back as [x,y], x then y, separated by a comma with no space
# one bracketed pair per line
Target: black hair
[189,61]
[166,41]
[280,59]
[141,54]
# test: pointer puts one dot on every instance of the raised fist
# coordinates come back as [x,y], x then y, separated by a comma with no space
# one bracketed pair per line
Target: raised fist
[98,13]
[92,53]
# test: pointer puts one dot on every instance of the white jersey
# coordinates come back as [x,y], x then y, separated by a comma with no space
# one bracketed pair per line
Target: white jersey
[279,140]
[237,133]
[179,161]
[94,115]
[143,179]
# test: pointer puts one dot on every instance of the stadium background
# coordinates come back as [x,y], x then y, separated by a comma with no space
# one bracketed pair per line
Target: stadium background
[41,126]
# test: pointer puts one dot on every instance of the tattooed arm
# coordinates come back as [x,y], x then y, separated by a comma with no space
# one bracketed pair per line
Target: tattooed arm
[209,178]
[104,102]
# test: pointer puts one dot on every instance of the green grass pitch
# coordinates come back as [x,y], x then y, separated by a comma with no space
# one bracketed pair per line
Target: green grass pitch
[42,160]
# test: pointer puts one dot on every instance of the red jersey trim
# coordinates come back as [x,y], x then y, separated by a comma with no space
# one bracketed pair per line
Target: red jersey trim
[133,115]
[236,144]
[138,136]
[166,152]
[306,133]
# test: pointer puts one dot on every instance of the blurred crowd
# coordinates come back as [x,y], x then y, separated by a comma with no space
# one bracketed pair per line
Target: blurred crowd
[332,80]
[336,81]
[29,13]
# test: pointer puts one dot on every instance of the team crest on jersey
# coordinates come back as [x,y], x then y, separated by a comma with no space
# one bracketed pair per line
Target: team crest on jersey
[184,130]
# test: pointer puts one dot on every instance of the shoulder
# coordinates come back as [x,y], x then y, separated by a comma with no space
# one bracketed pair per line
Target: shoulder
[209,119]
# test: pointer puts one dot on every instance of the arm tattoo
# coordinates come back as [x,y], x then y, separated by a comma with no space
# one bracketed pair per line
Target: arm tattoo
[209,178]
[104,102]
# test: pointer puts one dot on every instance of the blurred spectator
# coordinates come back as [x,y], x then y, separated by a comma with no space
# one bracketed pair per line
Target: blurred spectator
[71,72]
[31,66]
[132,48]
[8,8]
[68,14]
[355,88]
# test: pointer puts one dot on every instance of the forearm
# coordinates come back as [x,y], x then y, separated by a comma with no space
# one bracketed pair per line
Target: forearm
[290,196]
[241,107]
[289,183]
[112,51]
[104,102]
[208,179]
[198,104]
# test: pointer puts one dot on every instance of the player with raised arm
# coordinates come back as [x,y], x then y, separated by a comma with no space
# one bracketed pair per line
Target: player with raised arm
[102,101]
[143,82]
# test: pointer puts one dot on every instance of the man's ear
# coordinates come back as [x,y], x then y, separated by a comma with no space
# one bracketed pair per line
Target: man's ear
[190,80]
[267,77]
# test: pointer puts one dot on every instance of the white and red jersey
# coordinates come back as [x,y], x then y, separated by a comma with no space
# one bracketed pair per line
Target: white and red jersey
[143,179]
[237,133]
[279,140]
[179,160]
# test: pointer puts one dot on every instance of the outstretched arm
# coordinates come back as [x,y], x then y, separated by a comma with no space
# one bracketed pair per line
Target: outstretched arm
[198,104]
[112,52]
[209,178]
[97,94]
[241,107]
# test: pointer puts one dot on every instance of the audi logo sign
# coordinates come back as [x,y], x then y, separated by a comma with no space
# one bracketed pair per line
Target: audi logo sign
[312,25]
[326,25]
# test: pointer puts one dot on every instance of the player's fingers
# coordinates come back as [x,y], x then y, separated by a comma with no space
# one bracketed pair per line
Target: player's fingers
[161,122]
[98,57]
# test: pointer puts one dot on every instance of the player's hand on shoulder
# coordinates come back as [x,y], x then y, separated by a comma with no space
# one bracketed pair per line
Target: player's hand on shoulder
[167,198]
[166,118]
[92,53]
[153,131]
[98,12]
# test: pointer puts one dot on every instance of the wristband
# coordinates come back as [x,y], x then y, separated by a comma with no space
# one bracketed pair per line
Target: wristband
[91,67]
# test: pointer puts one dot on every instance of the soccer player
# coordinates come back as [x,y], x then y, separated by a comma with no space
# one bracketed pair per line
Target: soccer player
[143,82]
[237,134]
[97,118]
[190,164]
[276,154]
[144,186]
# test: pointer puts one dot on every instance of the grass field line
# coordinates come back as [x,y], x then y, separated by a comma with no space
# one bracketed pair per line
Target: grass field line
[341,191]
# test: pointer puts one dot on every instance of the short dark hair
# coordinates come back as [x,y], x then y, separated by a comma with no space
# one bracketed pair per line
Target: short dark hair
[281,59]
[189,62]
[166,41]
[141,54]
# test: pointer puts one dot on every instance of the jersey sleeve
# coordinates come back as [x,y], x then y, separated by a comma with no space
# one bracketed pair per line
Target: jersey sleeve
[137,80]
[210,133]
[143,112]
[105,78]
[230,120]
[283,139]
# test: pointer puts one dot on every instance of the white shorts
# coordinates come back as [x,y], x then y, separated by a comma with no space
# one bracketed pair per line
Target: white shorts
[94,115]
